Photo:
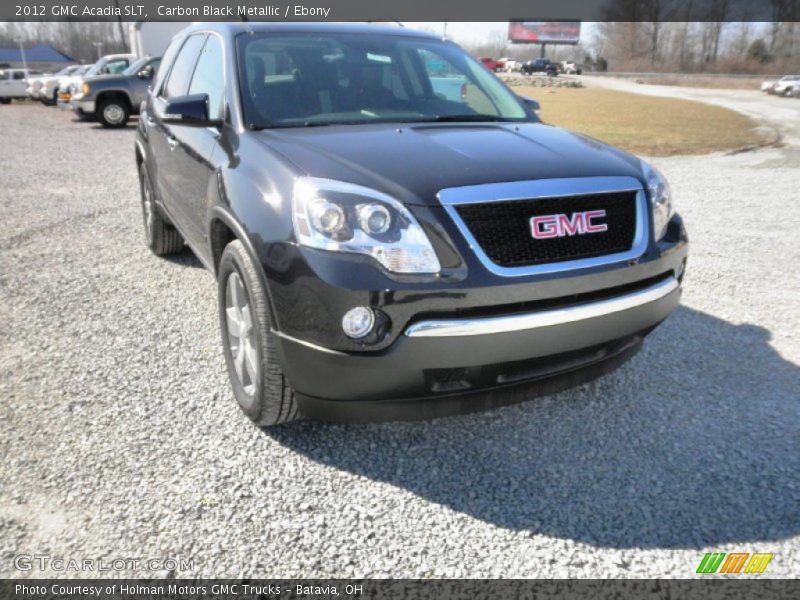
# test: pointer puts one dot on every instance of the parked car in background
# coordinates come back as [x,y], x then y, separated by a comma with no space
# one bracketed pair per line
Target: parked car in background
[14,84]
[383,252]
[62,86]
[540,65]
[44,87]
[510,65]
[784,86]
[493,65]
[571,68]
[780,86]
[34,84]
[110,64]
[112,99]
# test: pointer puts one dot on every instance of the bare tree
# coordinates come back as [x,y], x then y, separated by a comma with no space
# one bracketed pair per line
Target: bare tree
[76,40]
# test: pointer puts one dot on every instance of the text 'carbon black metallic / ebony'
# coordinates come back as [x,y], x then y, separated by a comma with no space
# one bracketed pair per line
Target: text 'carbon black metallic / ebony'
[503,229]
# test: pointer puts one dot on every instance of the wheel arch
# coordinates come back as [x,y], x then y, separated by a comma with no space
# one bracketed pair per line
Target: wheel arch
[103,95]
[223,228]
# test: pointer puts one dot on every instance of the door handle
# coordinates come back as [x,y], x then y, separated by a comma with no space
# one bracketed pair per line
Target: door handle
[173,143]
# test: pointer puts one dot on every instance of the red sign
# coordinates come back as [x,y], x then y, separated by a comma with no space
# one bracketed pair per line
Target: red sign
[544,32]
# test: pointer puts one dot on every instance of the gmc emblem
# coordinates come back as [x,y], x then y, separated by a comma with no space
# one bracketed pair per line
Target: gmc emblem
[546,227]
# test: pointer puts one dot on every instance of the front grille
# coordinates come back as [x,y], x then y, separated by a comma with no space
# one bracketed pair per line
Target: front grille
[503,230]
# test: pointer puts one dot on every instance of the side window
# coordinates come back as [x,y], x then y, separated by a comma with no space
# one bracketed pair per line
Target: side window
[116,66]
[181,72]
[209,77]
[166,60]
[19,75]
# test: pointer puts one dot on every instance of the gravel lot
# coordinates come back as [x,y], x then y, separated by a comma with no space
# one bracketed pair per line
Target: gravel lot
[119,436]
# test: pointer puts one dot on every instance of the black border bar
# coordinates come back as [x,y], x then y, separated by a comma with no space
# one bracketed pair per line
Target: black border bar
[401,10]
[701,588]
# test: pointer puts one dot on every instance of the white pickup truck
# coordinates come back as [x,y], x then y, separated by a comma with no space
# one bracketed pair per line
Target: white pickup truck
[14,84]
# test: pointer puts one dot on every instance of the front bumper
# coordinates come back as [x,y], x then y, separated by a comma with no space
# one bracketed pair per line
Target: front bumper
[82,105]
[436,359]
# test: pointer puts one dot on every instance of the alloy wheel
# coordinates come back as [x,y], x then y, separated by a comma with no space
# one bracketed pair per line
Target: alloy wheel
[147,207]
[242,342]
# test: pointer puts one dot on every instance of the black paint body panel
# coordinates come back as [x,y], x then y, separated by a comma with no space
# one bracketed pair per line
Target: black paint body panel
[245,178]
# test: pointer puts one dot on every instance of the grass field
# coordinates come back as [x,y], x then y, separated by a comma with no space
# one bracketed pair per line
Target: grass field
[643,124]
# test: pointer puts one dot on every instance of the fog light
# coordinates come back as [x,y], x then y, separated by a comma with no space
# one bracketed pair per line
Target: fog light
[358,322]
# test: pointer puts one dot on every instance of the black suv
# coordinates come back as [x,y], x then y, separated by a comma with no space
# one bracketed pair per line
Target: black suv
[384,248]
[540,65]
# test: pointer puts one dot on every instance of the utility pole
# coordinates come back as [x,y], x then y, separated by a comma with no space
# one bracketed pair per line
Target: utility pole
[98,45]
[22,53]
[444,31]
[121,31]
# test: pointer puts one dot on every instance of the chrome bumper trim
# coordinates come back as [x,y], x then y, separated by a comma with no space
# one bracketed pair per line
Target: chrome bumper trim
[546,318]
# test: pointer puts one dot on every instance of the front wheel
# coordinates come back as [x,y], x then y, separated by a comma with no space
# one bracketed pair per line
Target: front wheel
[113,112]
[251,354]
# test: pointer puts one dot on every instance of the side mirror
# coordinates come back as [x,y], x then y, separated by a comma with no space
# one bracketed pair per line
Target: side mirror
[191,110]
[146,73]
[533,105]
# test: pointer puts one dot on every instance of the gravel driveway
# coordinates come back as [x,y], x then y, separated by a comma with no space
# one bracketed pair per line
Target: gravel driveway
[119,436]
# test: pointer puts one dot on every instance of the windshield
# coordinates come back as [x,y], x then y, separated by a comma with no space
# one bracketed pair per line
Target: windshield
[137,66]
[95,68]
[297,79]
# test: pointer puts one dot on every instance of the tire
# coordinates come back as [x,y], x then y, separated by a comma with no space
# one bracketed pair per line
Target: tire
[161,236]
[258,382]
[113,112]
[5,100]
[50,101]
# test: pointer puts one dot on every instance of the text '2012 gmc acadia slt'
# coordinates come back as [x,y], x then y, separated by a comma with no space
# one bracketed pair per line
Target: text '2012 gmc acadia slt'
[384,250]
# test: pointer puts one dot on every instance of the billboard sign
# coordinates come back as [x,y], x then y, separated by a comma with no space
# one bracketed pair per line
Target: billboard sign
[544,32]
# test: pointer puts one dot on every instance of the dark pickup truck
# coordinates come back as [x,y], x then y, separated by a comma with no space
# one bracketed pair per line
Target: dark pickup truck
[540,65]
[385,251]
[112,99]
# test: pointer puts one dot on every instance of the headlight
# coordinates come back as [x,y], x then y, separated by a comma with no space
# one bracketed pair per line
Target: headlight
[344,217]
[85,89]
[660,200]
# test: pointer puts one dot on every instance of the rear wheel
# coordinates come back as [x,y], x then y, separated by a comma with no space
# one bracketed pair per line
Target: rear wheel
[5,100]
[162,238]
[251,354]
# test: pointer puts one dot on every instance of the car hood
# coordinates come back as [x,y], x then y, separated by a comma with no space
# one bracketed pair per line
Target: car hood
[414,162]
[109,78]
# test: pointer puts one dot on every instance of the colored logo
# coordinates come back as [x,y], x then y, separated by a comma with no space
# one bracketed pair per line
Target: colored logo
[554,226]
[735,562]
